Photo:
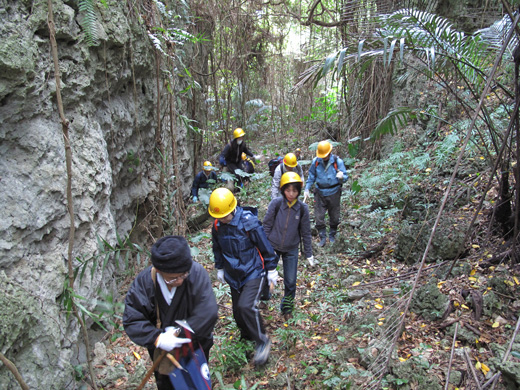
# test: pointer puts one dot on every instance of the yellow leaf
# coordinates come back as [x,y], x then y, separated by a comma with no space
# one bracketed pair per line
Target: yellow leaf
[484,368]
[475,246]
[368,262]
[378,306]
[356,284]
[516,280]
[423,325]
[473,272]
[402,359]
[456,304]
[465,307]
[316,337]
[285,324]
[478,365]
[394,269]
[495,325]
[137,356]
[472,279]
[509,283]
[380,323]
[382,319]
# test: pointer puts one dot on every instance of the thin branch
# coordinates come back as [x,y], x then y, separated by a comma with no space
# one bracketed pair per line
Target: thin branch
[11,367]
[70,204]
[472,368]
[451,355]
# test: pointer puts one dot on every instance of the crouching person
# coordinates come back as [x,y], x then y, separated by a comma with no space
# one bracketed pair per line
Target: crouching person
[174,288]
[244,259]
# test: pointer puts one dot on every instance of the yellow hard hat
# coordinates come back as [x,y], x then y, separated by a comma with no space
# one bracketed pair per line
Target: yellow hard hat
[290,160]
[324,149]
[207,166]
[238,133]
[222,202]
[290,177]
[244,156]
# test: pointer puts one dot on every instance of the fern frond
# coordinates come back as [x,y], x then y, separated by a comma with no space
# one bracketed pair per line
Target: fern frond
[88,21]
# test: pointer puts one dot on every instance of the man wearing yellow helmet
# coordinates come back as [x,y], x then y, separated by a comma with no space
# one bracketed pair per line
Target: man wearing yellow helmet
[286,223]
[328,173]
[202,180]
[244,259]
[289,164]
[231,157]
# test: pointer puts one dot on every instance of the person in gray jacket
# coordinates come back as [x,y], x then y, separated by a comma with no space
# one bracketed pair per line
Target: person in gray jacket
[285,224]
[289,164]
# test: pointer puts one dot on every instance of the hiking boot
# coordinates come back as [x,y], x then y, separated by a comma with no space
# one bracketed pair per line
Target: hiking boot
[262,353]
[332,236]
[323,236]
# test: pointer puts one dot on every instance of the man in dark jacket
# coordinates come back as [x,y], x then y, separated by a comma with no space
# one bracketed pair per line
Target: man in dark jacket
[201,180]
[231,157]
[181,291]
[244,259]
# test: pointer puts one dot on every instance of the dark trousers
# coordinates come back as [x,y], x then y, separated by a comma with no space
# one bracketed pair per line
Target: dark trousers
[290,268]
[330,204]
[246,313]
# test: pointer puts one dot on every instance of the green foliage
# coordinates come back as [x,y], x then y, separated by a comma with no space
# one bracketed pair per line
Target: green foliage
[133,160]
[393,120]
[289,335]
[230,355]
[88,21]
[120,254]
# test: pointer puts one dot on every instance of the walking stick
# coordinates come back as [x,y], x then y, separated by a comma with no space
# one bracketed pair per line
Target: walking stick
[152,369]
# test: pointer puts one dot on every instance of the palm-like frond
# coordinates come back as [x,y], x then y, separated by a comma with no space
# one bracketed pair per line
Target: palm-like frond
[88,21]
[393,120]
[429,37]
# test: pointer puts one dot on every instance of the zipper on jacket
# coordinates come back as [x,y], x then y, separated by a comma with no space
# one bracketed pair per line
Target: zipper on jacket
[286,224]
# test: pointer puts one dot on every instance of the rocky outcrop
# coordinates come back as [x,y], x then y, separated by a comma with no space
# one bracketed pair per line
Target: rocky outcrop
[109,96]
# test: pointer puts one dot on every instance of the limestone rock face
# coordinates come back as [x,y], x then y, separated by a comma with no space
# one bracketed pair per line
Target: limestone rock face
[109,96]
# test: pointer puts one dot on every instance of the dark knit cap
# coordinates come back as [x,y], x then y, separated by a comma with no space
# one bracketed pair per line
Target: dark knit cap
[171,254]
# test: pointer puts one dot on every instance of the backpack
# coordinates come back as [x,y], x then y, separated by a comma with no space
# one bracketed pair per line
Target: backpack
[272,164]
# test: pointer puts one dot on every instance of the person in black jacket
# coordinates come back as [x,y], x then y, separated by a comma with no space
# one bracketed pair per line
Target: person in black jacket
[231,157]
[201,180]
[181,291]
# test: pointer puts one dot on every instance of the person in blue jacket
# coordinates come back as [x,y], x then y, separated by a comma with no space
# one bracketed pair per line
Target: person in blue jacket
[286,223]
[201,180]
[328,173]
[244,259]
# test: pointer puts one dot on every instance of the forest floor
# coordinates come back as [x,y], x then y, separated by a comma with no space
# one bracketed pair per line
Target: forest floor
[349,308]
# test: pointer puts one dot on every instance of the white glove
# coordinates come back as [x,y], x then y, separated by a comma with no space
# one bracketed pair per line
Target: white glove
[173,329]
[272,277]
[339,175]
[311,260]
[195,199]
[305,196]
[168,341]
[220,275]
